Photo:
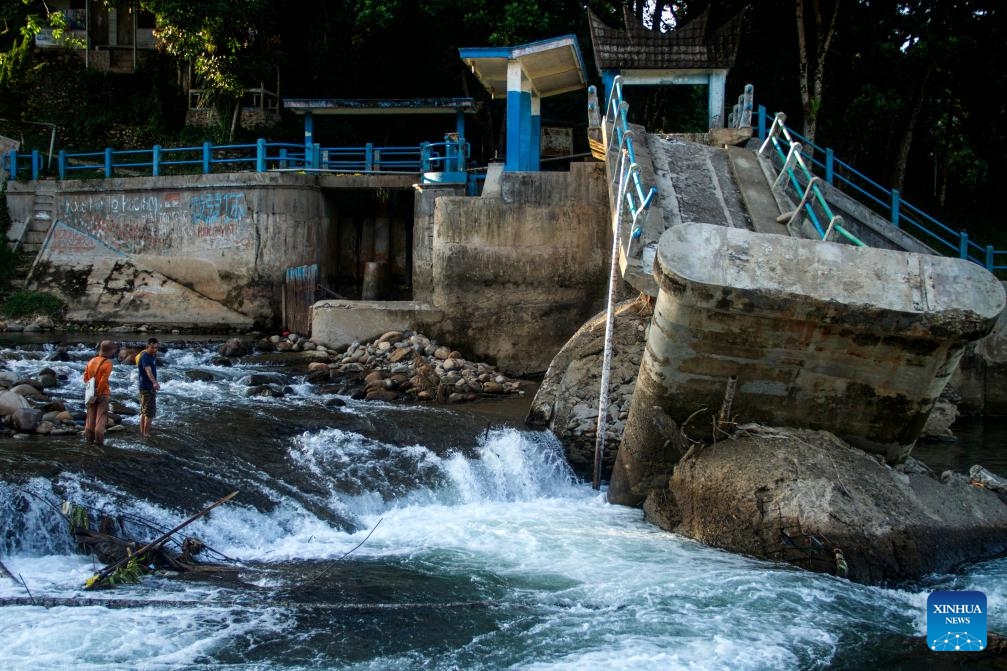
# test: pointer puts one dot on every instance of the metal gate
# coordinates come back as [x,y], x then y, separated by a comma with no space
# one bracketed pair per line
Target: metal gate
[298,296]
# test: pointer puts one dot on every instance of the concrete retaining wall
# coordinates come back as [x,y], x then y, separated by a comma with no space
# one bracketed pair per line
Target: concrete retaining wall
[208,250]
[507,277]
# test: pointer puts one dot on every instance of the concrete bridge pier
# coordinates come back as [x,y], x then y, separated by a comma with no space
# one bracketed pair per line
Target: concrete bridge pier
[856,341]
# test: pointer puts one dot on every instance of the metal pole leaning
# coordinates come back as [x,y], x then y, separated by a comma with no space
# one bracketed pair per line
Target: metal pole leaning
[606,365]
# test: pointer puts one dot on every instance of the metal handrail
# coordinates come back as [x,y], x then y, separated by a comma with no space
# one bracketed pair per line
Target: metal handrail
[887,202]
[811,194]
[260,156]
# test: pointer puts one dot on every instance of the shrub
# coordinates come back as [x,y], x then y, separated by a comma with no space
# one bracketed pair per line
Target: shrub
[24,303]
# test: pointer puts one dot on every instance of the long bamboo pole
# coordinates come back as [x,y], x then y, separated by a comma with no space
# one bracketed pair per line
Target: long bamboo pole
[98,578]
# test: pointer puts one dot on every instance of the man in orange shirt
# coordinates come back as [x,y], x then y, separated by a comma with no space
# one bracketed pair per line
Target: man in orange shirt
[99,368]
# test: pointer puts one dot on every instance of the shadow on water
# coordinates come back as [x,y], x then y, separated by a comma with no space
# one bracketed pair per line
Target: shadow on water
[979,440]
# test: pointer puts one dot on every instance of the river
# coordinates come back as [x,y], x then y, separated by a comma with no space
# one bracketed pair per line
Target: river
[384,536]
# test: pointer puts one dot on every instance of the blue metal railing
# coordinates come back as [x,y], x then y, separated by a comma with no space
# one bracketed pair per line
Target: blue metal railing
[626,183]
[262,156]
[889,203]
[795,171]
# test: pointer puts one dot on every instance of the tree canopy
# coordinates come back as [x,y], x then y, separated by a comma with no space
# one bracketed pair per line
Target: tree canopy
[910,92]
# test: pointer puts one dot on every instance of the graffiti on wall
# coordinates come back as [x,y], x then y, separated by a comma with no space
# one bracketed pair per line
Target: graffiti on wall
[66,242]
[161,223]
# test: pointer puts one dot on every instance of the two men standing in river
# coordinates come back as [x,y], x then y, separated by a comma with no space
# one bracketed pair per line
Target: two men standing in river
[99,368]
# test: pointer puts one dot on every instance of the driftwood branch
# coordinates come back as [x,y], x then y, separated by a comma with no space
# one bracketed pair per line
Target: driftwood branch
[100,578]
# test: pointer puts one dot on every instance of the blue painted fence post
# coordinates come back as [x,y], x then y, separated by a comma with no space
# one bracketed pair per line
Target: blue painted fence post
[762,122]
[260,155]
[963,245]
[425,157]
[283,158]
[61,164]
[11,157]
[368,156]
[895,208]
[316,156]
[206,157]
[989,258]
[829,163]
[36,164]
[108,161]
[155,160]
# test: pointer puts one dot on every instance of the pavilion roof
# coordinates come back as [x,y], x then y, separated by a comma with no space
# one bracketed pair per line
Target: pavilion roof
[692,45]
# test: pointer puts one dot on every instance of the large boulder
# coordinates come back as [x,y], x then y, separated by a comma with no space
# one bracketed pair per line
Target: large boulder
[808,498]
[11,402]
[567,400]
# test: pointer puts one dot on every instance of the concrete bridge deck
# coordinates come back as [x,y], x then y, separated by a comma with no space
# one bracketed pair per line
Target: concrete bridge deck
[859,341]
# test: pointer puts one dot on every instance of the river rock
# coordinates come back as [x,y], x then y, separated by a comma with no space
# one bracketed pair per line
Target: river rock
[232,347]
[808,498]
[11,402]
[47,378]
[198,375]
[59,354]
[318,375]
[569,391]
[26,420]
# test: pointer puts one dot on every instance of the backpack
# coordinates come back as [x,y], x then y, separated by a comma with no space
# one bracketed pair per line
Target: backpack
[90,387]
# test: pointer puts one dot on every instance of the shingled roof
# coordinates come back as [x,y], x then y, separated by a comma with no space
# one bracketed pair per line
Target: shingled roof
[691,45]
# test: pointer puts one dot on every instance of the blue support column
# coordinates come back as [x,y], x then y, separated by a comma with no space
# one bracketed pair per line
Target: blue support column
[524,135]
[309,132]
[535,135]
[260,155]
[512,160]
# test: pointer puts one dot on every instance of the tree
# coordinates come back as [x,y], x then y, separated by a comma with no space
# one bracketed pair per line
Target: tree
[228,44]
[811,57]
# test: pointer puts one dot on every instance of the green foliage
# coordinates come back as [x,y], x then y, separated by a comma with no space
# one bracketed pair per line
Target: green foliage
[130,573]
[23,303]
[225,41]
[14,63]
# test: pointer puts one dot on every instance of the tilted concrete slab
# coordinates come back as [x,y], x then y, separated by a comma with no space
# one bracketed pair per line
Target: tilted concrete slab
[856,341]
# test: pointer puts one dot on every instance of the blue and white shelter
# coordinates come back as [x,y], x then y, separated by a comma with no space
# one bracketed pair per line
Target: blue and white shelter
[525,74]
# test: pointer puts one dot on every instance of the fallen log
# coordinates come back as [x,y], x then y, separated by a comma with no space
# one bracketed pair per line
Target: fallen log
[81,602]
[128,568]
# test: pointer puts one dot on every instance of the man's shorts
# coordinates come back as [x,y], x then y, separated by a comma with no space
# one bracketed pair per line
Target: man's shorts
[148,403]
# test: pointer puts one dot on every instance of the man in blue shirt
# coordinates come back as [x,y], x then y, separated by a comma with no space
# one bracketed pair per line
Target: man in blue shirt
[146,363]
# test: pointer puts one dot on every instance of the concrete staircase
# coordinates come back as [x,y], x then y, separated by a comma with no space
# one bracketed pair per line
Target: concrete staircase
[42,217]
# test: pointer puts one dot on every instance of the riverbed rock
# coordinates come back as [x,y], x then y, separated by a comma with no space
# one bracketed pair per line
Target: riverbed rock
[402,365]
[11,402]
[26,420]
[567,400]
[808,498]
[233,347]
